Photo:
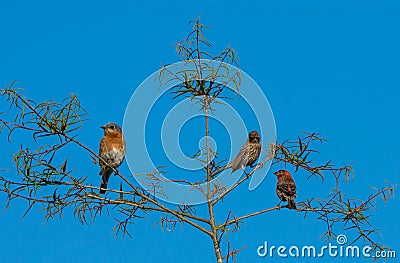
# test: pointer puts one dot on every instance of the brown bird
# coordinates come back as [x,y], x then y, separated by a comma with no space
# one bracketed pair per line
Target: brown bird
[286,188]
[248,154]
[112,151]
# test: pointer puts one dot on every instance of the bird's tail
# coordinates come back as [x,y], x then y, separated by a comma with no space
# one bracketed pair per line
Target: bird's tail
[104,180]
[291,204]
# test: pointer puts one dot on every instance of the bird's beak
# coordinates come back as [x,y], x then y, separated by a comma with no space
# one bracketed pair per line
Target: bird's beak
[276,173]
[103,127]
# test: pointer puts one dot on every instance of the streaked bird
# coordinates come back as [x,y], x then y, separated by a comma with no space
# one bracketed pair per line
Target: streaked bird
[248,154]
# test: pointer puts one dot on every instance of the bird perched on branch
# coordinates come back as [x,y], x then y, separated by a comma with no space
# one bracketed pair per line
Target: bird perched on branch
[112,151]
[286,188]
[248,154]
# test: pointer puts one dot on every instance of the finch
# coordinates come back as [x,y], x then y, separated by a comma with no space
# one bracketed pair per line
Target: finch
[112,151]
[286,188]
[248,154]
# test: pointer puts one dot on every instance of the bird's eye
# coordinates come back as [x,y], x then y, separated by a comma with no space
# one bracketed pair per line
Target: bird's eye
[112,127]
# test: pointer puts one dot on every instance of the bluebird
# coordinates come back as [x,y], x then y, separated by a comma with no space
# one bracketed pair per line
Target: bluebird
[112,151]
[248,154]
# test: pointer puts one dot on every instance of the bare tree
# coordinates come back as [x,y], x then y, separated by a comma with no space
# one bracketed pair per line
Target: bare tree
[39,179]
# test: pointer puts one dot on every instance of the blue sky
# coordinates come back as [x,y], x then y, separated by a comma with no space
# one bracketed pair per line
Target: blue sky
[326,66]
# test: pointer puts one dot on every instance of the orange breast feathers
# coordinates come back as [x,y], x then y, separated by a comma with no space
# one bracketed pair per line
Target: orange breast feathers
[113,141]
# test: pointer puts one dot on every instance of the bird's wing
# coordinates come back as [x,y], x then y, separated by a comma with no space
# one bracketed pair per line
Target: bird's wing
[241,158]
[103,149]
[288,188]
